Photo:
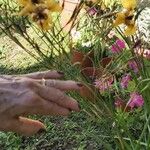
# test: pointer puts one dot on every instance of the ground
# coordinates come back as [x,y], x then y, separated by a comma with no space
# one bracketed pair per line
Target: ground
[77,132]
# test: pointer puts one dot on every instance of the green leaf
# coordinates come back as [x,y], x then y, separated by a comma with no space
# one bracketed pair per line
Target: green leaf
[131,86]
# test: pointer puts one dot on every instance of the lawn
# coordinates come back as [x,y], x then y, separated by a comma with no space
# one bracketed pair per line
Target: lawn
[115,105]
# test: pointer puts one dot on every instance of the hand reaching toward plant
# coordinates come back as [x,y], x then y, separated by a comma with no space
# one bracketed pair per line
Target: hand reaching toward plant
[34,94]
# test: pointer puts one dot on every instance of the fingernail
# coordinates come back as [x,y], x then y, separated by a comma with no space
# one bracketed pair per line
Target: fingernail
[80,84]
[70,110]
[42,130]
[60,72]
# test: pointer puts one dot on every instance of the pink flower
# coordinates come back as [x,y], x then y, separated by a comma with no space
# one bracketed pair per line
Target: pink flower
[120,43]
[118,46]
[125,81]
[92,11]
[111,34]
[146,53]
[119,103]
[142,52]
[136,100]
[103,84]
[133,65]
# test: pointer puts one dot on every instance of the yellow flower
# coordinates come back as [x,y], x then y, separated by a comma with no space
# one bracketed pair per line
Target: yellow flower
[28,6]
[129,4]
[40,11]
[28,9]
[42,17]
[127,16]
[44,24]
[120,19]
[23,2]
[53,6]
[106,3]
[130,30]
[31,2]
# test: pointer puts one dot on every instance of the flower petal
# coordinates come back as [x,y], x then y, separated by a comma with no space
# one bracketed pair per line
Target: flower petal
[27,10]
[23,2]
[129,4]
[45,24]
[53,6]
[136,100]
[120,19]
[120,43]
[130,30]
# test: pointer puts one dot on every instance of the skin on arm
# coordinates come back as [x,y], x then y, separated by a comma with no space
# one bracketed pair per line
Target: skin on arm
[25,95]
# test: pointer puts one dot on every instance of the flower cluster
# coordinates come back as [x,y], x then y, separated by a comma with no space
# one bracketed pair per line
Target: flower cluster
[142,52]
[103,84]
[113,70]
[136,100]
[39,11]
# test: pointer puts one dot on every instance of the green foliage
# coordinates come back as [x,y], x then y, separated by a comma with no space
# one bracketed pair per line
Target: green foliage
[109,127]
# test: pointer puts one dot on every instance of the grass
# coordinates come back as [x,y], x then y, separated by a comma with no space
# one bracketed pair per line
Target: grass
[77,132]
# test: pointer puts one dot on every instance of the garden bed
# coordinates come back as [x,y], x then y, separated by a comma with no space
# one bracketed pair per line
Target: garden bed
[106,51]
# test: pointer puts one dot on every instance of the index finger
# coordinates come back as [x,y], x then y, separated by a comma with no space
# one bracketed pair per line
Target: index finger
[45,74]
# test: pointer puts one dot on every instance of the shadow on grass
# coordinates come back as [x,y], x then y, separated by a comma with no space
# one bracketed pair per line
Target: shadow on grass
[4,69]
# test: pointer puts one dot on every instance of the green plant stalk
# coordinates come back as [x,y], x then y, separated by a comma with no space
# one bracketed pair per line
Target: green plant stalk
[143,132]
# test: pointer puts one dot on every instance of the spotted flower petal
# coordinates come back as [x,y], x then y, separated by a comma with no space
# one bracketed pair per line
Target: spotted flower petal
[45,24]
[130,30]
[42,17]
[120,19]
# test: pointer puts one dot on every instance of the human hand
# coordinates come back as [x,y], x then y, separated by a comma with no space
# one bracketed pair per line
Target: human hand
[30,94]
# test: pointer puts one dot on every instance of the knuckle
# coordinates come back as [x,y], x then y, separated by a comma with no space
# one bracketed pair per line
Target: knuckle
[28,83]
[15,84]
[61,96]
[39,74]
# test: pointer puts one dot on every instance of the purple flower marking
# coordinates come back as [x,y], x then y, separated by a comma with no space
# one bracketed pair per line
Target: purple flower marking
[118,46]
[125,81]
[136,100]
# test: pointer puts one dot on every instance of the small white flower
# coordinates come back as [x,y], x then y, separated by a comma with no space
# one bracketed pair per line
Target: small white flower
[76,35]
[87,44]
[114,124]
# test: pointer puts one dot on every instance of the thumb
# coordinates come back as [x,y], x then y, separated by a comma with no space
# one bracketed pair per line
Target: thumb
[26,127]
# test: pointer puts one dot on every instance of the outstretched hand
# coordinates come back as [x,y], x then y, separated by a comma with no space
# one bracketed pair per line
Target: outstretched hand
[34,94]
